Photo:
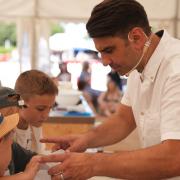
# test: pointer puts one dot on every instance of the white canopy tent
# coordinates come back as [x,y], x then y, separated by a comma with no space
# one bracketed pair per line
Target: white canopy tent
[77,9]
[33,20]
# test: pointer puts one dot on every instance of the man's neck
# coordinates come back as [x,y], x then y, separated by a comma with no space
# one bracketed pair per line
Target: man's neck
[154,43]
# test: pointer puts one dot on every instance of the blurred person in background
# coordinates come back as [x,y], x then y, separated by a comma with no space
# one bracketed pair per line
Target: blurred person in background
[82,87]
[116,77]
[108,101]
[64,75]
[86,73]
[84,84]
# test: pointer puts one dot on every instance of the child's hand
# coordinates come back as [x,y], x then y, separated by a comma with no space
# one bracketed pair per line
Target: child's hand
[32,167]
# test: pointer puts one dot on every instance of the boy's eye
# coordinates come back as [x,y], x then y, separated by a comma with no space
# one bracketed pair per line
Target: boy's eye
[40,108]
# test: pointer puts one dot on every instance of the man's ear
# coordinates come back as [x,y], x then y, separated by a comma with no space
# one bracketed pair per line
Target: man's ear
[137,37]
[133,37]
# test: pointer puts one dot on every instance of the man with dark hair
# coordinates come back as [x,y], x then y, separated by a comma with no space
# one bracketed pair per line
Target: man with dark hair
[121,33]
[111,18]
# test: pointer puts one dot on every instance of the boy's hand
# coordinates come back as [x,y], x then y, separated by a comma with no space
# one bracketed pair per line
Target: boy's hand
[32,167]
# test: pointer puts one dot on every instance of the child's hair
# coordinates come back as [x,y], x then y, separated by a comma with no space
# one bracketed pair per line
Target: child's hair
[35,82]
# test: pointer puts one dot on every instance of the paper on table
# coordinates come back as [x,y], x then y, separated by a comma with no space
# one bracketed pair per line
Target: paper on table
[43,172]
[77,108]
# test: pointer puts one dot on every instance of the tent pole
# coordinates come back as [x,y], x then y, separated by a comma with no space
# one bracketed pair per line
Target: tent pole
[176,19]
[34,40]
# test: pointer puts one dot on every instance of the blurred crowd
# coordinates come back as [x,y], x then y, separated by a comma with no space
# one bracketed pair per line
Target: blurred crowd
[103,103]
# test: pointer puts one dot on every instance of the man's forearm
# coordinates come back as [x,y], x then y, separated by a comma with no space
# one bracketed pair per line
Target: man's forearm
[110,132]
[160,161]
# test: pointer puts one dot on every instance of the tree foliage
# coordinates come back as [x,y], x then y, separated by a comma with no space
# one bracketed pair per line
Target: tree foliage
[7,32]
[57,28]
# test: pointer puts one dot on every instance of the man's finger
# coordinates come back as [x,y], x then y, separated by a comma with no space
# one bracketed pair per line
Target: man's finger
[57,169]
[51,140]
[55,147]
[53,158]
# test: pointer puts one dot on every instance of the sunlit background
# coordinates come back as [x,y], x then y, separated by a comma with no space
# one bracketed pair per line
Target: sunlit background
[40,34]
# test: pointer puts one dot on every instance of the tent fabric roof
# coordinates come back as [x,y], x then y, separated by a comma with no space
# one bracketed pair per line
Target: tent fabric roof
[161,9]
[77,9]
[32,18]
[74,9]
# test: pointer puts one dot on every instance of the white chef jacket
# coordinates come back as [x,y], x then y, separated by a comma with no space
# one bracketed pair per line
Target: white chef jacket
[154,95]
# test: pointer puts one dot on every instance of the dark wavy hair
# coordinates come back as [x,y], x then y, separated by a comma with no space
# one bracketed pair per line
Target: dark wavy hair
[117,17]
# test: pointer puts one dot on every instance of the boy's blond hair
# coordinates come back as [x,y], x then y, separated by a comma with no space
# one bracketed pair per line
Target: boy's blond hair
[35,82]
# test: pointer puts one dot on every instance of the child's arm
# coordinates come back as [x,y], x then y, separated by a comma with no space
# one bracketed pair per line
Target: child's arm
[29,173]
[20,158]
[19,176]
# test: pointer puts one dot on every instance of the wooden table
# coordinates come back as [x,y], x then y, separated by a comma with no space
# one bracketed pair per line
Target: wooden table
[60,123]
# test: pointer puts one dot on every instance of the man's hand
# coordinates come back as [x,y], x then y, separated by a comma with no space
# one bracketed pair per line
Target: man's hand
[72,166]
[73,143]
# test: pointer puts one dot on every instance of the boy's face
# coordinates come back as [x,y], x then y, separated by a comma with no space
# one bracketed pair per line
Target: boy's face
[38,108]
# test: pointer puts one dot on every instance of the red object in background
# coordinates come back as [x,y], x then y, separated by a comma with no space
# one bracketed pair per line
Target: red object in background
[4,57]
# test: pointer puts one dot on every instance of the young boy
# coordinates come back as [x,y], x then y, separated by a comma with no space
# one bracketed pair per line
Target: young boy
[9,118]
[38,91]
